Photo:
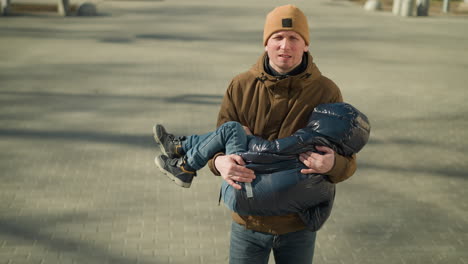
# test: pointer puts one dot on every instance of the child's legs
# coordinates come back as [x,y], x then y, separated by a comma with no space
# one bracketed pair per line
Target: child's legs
[229,137]
[193,140]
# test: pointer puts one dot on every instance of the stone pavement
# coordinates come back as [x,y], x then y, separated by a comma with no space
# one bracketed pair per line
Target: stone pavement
[78,98]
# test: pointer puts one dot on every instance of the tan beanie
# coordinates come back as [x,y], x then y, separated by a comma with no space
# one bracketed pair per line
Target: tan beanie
[287,17]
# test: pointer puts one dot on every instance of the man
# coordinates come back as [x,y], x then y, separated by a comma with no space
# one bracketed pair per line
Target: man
[272,100]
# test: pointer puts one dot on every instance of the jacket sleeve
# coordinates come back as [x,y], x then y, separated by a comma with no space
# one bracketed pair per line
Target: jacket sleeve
[295,144]
[344,167]
[226,113]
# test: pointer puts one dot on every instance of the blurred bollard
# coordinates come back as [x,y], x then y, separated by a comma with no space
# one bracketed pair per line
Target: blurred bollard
[422,7]
[373,5]
[396,7]
[87,9]
[407,8]
[446,6]
[4,7]
[63,7]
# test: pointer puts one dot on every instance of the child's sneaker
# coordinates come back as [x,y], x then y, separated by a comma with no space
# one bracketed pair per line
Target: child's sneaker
[176,169]
[170,145]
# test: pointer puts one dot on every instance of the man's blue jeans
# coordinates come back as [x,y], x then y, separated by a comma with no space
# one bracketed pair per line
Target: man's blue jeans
[249,246]
[229,138]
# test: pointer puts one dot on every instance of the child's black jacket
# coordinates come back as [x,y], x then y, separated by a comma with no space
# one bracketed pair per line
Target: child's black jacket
[279,187]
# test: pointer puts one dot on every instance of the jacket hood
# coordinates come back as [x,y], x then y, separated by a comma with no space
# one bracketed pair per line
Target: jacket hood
[311,73]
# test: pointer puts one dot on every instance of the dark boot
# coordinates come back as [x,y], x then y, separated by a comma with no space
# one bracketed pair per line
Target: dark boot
[176,169]
[169,144]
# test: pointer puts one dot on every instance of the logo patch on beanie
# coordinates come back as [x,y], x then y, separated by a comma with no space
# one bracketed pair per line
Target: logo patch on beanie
[287,22]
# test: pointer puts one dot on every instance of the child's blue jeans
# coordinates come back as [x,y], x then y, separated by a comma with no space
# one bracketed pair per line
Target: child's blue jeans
[229,138]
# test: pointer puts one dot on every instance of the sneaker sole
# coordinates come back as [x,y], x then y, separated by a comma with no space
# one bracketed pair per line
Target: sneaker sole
[169,175]
[156,138]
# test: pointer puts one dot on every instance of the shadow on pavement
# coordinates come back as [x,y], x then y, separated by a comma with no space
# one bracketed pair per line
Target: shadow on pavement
[31,230]
[428,169]
[30,97]
[142,141]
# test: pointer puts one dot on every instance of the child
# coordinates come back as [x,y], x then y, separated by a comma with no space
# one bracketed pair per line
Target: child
[279,187]
[346,134]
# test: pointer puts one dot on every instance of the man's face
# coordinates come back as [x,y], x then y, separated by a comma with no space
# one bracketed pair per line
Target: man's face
[285,50]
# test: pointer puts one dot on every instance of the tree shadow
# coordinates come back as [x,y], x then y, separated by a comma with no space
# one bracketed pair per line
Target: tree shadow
[141,141]
[116,40]
[163,15]
[171,37]
[440,171]
[413,142]
[387,219]
[244,36]
[31,230]
[420,138]
[43,98]
[196,99]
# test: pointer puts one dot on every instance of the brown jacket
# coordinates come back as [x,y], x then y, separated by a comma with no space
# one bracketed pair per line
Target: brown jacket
[275,108]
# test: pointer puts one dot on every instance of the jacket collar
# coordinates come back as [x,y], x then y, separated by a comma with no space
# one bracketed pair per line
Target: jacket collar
[297,70]
[301,80]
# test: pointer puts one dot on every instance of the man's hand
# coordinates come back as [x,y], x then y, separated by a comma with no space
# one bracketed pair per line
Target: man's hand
[318,163]
[232,169]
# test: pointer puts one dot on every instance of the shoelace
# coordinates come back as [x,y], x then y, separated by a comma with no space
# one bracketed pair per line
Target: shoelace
[176,140]
[174,162]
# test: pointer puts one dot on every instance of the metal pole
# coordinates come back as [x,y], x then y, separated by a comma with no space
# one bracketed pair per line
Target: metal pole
[446,6]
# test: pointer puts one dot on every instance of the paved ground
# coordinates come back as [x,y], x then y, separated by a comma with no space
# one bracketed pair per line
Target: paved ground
[78,97]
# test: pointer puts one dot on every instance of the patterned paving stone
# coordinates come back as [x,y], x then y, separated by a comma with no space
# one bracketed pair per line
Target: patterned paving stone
[78,98]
